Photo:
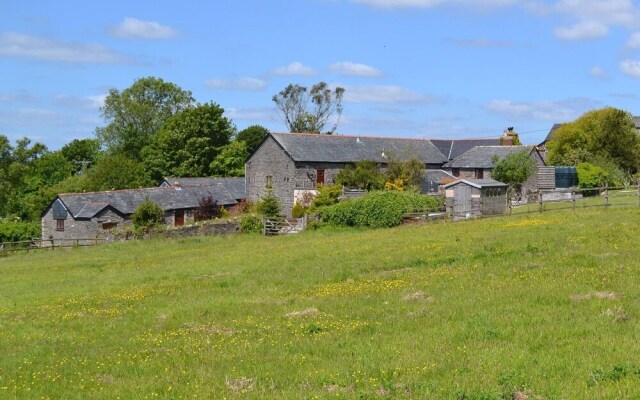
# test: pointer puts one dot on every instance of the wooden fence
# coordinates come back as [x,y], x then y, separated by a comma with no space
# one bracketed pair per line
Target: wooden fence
[272,226]
[35,244]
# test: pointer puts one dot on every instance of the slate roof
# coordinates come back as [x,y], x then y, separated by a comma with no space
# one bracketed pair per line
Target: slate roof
[482,156]
[551,131]
[87,205]
[454,148]
[437,175]
[636,122]
[478,183]
[235,186]
[343,149]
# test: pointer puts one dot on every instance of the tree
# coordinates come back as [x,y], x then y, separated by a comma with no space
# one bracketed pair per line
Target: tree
[207,209]
[597,137]
[190,140]
[513,169]
[147,215]
[135,115]
[231,160]
[268,205]
[310,111]
[81,153]
[365,175]
[252,136]
[116,171]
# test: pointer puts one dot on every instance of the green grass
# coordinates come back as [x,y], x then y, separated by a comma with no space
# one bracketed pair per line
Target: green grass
[616,198]
[543,305]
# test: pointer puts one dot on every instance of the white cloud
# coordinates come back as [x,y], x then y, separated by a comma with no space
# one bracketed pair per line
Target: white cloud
[606,12]
[18,45]
[295,68]
[390,4]
[386,94]
[553,111]
[71,101]
[349,68]
[133,28]
[597,72]
[634,40]
[631,68]
[246,84]
[582,31]
[251,114]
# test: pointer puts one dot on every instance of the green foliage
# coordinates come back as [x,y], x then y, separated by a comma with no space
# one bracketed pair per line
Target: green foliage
[189,142]
[597,137]
[327,195]
[408,172]
[252,136]
[378,209]
[365,175]
[15,231]
[147,215]
[135,116]
[514,169]
[298,211]
[81,153]
[268,205]
[116,171]
[304,111]
[231,160]
[590,176]
[250,223]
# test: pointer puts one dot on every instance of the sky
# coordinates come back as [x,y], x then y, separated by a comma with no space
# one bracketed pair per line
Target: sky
[410,68]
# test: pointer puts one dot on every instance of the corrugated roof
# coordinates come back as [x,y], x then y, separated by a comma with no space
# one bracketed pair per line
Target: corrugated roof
[478,183]
[482,156]
[344,149]
[236,186]
[453,148]
[87,205]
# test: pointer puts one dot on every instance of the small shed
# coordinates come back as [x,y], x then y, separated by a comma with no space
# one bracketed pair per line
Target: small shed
[470,198]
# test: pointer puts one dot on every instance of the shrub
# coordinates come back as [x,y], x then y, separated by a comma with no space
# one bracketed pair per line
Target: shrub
[327,196]
[268,205]
[207,209]
[250,223]
[16,231]
[590,176]
[364,175]
[297,211]
[148,214]
[378,209]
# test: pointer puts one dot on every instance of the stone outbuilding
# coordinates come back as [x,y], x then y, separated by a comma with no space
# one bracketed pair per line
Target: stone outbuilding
[98,214]
[472,198]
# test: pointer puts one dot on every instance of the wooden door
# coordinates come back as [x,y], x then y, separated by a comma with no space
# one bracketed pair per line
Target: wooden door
[462,201]
[179,217]
[320,177]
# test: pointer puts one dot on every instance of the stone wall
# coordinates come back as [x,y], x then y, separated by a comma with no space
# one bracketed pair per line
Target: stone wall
[101,227]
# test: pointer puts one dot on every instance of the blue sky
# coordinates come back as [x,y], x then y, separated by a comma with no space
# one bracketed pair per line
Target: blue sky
[411,68]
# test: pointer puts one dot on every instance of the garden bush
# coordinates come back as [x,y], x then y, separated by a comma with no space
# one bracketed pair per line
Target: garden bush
[297,211]
[250,223]
[16,231]
[378,209]
[268,205]
[147,214]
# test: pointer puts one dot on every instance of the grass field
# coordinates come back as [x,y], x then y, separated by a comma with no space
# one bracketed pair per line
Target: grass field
[538,306]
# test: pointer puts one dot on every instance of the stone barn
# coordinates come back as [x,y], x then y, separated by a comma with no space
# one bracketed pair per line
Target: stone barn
[472,198]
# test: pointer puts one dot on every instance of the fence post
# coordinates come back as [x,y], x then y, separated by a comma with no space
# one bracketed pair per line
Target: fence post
[638,192]
[540,208]
[264,226]
[606,194]
[573,198]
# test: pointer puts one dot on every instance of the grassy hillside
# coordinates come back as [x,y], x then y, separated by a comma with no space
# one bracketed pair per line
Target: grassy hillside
[534,306]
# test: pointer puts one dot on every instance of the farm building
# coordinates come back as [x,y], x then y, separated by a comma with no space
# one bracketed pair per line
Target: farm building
[471,198]
[235,186]
[97,214]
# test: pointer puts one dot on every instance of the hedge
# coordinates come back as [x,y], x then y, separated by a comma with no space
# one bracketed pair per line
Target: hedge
[378,209]
[18,231]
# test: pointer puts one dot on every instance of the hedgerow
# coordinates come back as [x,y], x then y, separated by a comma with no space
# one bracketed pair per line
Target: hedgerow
[15,231]
[378,209]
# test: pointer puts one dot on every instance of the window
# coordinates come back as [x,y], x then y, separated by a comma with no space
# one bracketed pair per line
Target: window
[319,177]
[455,172]
[269,181]
[60,225]
[479,173]
[109,225]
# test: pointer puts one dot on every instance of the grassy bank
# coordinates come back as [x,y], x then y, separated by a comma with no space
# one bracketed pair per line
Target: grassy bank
[537,305]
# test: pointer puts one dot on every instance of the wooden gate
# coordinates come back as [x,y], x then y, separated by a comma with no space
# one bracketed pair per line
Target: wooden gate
[281,226]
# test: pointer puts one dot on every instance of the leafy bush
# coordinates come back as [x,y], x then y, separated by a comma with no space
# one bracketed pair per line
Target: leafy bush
[207,209]
[268,205]
[250,223]
[378,209]
[147,214]
[364,175]
[15,231]
[297,211]
[327,196]
[590,176]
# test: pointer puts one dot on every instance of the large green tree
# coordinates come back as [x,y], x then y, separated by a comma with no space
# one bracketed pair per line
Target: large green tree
[304,110]
[252,136]
[231,160]
[189,142]
[135,115]
[116,171]
[513,169]
[81,153]
[597,137]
